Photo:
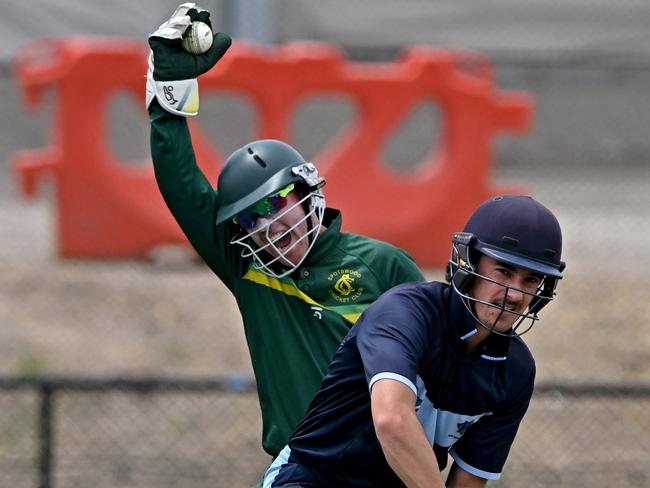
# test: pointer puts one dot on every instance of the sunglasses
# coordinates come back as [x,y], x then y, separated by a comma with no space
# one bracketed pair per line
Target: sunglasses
[265,207]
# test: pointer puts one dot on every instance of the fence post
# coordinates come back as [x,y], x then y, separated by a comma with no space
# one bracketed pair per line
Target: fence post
[45,435]
[255,20]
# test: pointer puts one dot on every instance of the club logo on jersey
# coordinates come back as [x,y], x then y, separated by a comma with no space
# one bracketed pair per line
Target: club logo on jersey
[345,287]
[461,428]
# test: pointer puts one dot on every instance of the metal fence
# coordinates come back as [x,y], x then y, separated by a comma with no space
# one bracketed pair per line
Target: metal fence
[157,432]
[194,433]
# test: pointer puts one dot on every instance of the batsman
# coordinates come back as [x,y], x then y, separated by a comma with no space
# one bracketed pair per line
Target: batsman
[266,232]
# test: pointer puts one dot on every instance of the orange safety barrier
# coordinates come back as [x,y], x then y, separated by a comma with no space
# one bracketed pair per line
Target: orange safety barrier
[107,209]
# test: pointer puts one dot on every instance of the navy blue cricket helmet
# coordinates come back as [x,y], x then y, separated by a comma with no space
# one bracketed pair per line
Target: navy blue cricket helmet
[516,230]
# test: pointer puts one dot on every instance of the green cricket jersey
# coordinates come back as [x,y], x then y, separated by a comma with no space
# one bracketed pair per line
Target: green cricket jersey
[293,325]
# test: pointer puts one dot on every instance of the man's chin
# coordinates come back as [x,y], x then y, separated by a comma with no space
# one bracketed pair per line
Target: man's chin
[501,325]
[505,324]
[291,259]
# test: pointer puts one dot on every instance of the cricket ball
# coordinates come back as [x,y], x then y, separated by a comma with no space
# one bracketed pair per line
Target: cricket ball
[197,38]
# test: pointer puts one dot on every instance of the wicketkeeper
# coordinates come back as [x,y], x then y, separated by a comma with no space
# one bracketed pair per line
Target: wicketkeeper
[265,231]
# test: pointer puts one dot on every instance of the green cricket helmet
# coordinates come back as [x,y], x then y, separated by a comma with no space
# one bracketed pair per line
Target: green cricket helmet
[257,170]
[252,191]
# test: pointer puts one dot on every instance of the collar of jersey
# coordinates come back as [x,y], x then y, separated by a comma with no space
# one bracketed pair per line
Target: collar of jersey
[494,347]
[328,239]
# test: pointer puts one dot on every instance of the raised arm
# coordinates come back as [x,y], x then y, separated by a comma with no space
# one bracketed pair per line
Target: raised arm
[172,95]
[187,193]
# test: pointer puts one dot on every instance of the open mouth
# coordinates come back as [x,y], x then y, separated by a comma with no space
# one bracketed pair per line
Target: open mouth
[281,240]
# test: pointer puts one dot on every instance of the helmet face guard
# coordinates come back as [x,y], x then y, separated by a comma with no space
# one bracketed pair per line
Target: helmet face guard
[252,190]
[517,231]
[463,275]
[279,265]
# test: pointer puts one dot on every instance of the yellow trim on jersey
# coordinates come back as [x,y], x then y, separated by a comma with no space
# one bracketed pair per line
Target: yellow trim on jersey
[291,290]
[286,288]
[351,317]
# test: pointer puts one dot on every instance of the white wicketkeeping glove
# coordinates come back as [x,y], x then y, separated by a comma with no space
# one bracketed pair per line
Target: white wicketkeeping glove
[172,73]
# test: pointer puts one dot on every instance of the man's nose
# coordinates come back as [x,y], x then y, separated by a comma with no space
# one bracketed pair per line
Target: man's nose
[514,295]
[263,222]
[259,228]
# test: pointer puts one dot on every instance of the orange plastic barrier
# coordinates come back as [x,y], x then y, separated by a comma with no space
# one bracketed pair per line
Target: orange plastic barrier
[108,209]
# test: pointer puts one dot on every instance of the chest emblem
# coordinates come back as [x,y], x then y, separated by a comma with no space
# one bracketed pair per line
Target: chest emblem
[461,428]
[345,285]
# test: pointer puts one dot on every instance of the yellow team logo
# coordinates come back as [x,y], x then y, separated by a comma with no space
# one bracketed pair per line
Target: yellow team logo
[344,285]
[345,289]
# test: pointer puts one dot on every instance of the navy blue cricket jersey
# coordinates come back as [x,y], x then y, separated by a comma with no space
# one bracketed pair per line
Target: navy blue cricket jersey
[470,403]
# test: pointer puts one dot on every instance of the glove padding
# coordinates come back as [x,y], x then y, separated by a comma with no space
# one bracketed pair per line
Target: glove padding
[172,73]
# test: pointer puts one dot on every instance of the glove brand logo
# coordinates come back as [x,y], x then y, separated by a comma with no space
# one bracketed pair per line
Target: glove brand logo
[343,290]
[169,95]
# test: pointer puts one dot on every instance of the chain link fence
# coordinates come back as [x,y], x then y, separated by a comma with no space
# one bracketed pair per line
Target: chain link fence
[131,433]
[587,66]
[203,433]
